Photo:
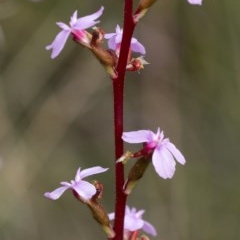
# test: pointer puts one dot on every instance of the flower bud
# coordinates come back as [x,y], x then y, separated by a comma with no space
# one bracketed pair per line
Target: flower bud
[136,64]
[143,7]
[135,174]
[99,188]
[101,216]
[107,58]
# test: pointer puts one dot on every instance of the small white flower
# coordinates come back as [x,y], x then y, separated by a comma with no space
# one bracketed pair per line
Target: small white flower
[83,188]
[115,39]
[133,221]
[164,151]
[77,26]
[198,2]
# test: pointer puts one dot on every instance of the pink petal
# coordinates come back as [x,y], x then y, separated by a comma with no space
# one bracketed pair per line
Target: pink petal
[91,171]
[118,38]
[57,193]
[78,175]
[137,47]
[132,224]
[112,43]
[58,43]
[149,228]
[127,210]
[199,2]
[109,35]
[163,163]
[63,26]
[137,136]
[118,30]
[84,189]
[175,152]
[88,21]
[73,18]
[111,216]
[139,213]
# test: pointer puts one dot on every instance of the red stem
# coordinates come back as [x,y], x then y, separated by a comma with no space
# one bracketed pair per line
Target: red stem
[118,88]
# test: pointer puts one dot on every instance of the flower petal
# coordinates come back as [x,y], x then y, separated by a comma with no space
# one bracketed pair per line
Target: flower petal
[63,26]
[84,189]
[91,171]
[199,2]
[78,175]
[57,193]
[73,18]
[163,162]
[139,213]
[132,223]
[127,210]
[58,43]
[111,216]
[88,21]
[149,228]
[137,136]
[118,38]
[175,152]
[109,35]
[112,43]
[118,30]
[137,47]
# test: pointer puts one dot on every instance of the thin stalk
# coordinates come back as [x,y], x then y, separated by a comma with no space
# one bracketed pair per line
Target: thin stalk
[118,96]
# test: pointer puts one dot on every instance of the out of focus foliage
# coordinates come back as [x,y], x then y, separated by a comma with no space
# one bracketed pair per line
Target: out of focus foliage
[56,115]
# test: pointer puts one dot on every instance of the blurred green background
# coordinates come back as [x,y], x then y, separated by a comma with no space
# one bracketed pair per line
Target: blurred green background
[56,115]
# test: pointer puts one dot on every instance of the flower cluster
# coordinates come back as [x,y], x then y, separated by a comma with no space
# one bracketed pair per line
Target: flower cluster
[163,153]
[77,28]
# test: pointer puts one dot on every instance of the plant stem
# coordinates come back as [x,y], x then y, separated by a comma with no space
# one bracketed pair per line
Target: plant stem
[118,96]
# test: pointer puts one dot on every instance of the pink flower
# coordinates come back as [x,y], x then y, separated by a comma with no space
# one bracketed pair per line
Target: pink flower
[115,40]
[84,189]
[77,26]
[133,221]
[199,2]
[164,151]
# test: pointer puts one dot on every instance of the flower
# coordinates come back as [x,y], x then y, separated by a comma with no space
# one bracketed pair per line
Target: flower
[77,26]
[84,189]
[133,221]
[164,151]
[199,2]
[115,40]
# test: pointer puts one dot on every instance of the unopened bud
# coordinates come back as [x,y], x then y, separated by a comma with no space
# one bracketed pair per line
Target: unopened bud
[143,7]
[99,189]
[106,57]
[135,174]
[101,216]
[136,64]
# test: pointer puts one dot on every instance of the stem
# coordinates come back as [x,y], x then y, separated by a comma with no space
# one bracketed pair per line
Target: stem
[118,89]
